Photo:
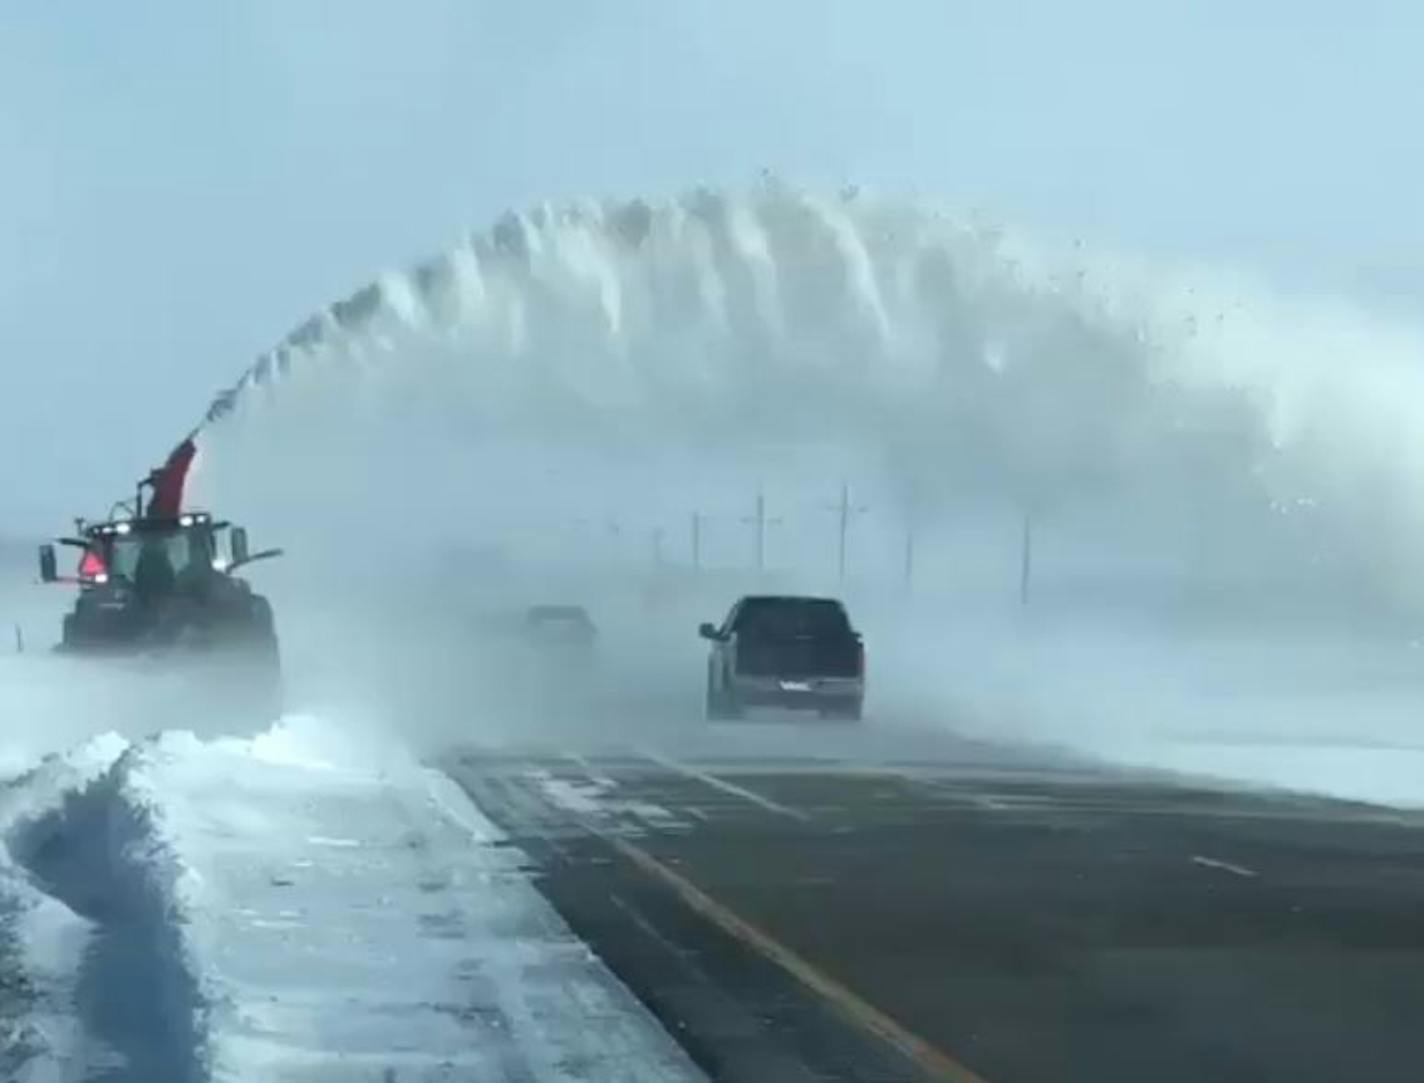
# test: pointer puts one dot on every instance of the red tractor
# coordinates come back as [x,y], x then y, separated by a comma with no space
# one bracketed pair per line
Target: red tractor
[158,581]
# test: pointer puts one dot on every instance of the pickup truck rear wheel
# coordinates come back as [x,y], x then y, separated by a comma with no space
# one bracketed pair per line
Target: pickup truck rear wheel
[721,704]
[847,710]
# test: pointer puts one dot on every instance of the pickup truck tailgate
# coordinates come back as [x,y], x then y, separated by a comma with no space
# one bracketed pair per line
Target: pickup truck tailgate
[800,656]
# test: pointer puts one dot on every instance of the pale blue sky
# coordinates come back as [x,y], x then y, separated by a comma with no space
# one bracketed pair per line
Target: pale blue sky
[180,183]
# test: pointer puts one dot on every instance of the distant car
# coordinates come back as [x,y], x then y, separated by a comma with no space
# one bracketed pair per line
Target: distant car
[785,651]
[560,626]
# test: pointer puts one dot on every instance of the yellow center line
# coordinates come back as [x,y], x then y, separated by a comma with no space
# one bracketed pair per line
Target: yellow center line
[932,1060]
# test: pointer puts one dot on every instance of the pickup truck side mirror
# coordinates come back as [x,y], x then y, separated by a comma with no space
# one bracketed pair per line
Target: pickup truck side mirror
[708,631]
[49,570]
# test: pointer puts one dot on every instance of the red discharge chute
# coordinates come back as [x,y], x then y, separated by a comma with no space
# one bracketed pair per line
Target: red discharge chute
[167,481]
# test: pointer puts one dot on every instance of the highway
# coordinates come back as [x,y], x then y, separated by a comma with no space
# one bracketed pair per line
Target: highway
[978,914]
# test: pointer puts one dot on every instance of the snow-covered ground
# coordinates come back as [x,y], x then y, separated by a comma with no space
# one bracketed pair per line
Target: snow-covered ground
[280,908]
[311,903]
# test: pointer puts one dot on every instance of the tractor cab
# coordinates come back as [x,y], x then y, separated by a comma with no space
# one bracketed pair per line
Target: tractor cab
[153,556]
[159,580]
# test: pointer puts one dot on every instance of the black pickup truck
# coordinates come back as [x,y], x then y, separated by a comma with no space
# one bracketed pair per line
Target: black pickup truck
[785,651]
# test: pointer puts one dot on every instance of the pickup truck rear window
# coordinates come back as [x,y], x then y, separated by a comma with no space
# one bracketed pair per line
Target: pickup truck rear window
[788,618]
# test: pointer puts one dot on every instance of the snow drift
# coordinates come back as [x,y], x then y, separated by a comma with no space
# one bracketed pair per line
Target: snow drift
[291,907]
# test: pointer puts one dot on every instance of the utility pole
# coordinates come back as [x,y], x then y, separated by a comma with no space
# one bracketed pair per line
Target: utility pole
[914,515]
[760,532]
[696,541]
[1026,561]
[844,511]
[761,522]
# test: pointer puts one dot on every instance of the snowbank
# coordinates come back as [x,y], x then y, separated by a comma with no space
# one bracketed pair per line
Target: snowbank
[288,907]
[41,939]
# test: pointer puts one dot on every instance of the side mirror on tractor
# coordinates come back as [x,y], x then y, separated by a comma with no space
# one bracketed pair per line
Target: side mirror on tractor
[241,552]
[708,631]
[49,569]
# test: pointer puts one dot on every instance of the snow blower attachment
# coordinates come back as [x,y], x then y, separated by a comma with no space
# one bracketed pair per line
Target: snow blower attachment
[158,583]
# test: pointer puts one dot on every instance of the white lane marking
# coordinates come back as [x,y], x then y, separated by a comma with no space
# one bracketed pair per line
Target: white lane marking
[725,786]
[983,800]
[948,788]
[647,927]
[1224,866]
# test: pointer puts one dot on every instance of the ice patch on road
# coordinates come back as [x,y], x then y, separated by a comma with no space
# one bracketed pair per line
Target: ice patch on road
[584,797]
[593,800]
[283,907]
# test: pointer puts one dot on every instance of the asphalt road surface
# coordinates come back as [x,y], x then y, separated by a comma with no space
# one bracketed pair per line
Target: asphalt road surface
[980,918]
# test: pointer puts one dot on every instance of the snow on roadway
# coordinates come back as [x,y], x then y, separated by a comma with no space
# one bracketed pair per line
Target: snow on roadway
[275,909]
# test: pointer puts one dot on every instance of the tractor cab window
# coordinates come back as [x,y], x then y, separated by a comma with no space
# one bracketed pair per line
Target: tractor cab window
[154,553]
